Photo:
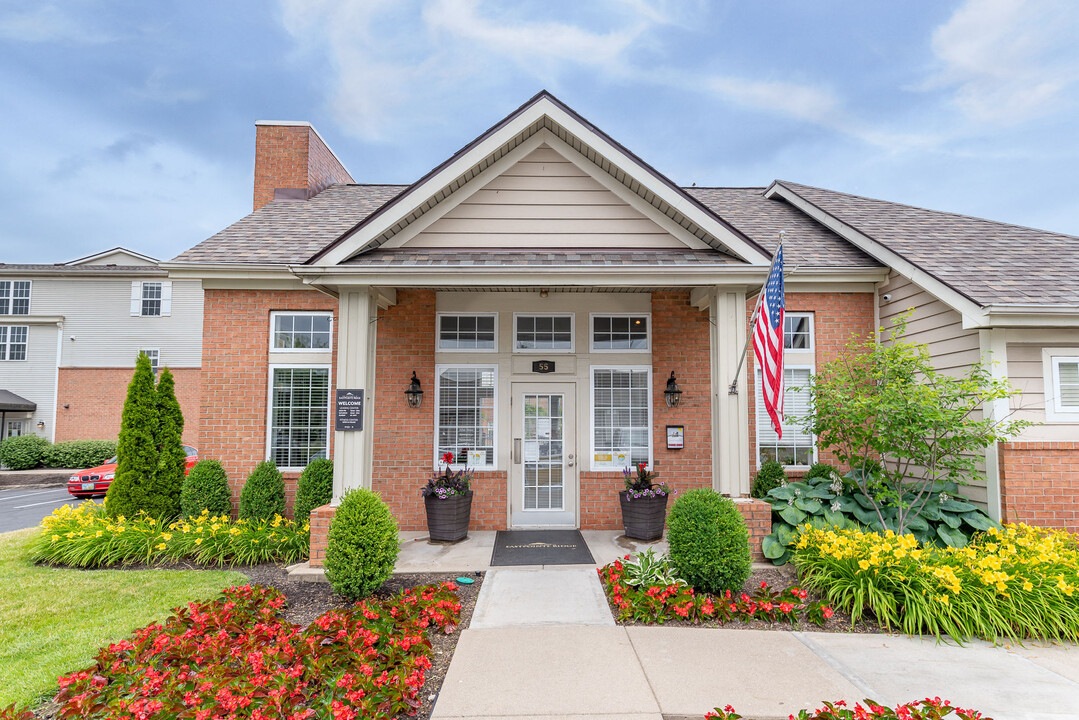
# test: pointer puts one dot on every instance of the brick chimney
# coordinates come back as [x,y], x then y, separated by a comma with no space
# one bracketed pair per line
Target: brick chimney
[292,162]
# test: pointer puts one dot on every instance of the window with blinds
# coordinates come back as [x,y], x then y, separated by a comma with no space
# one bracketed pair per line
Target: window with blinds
[621,418]
[299,415]
[1066,382]
[796,448]
[466,416]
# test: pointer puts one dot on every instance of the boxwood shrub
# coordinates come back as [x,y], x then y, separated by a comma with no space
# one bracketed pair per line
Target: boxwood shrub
[709,543]
[314,489]
[78,454]
[206,487]
[263,495]
[362,546]
[23,452]
[771,475]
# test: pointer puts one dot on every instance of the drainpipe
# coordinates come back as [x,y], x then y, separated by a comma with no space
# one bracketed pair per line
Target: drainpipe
[56,379]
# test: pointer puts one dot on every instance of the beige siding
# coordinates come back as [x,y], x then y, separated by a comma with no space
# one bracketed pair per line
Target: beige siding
[35,377]
[952,349]
[544,201]
[1027,369]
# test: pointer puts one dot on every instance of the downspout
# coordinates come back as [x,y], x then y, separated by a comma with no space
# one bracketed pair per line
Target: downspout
[56,380]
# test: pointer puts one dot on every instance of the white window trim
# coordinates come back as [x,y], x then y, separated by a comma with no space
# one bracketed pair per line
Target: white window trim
[11,299]
[540,351]
[166,298]
[759,410]
[436,459]
[7,342]
[312,313]
[147,351]
[1055,412]
[592,332]
[269,406]
[592,465]
[438,334]
[812,334]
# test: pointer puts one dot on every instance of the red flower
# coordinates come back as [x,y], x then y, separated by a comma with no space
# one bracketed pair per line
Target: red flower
[447,457]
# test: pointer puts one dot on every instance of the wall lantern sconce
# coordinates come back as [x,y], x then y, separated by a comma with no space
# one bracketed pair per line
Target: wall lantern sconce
[414,392]
[673,393]
[40,424]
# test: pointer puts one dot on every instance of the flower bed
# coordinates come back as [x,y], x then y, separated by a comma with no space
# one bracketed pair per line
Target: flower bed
[234,658]
[928,709]
[676,601]
[1018,582]
[85,536]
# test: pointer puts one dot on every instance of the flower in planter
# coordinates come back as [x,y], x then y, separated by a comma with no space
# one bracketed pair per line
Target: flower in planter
[639,483]
[449,482]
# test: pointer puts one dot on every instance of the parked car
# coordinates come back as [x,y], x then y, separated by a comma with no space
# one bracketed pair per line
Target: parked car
[95,481]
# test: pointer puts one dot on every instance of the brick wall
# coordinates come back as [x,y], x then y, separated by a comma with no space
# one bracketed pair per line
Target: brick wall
[235,376]
[320,531]
[1039,484]
[758,517]
[837,317]
[95,399]
[293,156]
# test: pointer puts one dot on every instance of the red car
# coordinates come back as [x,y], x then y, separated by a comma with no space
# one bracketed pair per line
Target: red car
[95,481]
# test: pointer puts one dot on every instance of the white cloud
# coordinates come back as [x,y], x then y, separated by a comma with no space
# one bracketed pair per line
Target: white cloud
[1008,60]
[48,24]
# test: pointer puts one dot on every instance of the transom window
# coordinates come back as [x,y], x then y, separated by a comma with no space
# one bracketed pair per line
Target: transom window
[468,332]
[543,332]
[299,415]
[466,416]
[14,297]
[301,330]
[1066,377]
[151,298]
[620,333]
[13,342]
[798,331]
[621,417]
[797,447]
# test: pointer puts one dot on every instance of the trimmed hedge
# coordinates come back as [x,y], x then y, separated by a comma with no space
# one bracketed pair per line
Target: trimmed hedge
[362,546]
[79,454]
[770,476]
[23,452]
[709,543]
[314,489]
[206,487]
[263,495]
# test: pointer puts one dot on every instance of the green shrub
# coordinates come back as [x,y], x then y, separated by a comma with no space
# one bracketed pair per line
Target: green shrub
[206,487]
[23,452]
[822,470]
[362,546]
[314,489]
[79,454]
[263,495]
[136,450]
[709,543]
[163,492]
[771,475]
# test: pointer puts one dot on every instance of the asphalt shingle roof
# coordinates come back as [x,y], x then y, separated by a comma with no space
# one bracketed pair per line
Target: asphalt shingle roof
[989,262]
[61,268]
[290,232]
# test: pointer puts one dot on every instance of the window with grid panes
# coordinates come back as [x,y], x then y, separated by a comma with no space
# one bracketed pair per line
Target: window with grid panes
[466,332]
[796,448]
[301,331]
[299,415]
[619,332]
[797,331]
[466,416]
[543,332]
[151,298]
[14,297]
[621,427]
[13,342]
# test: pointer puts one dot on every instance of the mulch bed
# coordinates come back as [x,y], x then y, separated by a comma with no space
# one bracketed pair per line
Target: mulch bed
[778,578]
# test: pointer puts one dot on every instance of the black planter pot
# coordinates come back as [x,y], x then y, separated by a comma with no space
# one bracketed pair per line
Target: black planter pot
[643,518]
[447,519]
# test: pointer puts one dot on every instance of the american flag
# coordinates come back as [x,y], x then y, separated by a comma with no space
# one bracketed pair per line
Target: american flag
[768,342]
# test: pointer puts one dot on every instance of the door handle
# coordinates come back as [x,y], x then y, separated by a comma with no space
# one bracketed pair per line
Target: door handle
[570,463]
[516,451]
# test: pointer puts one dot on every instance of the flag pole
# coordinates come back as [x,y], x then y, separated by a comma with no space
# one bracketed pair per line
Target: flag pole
[733,389]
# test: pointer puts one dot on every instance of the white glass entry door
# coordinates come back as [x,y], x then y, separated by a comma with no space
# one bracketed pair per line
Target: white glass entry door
[543,479]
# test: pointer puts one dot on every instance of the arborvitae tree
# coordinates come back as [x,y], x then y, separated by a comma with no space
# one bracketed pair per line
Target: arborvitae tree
[136,451]
[162,498]
[263,495]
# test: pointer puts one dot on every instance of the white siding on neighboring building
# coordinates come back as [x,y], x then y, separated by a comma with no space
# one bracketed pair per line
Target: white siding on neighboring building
[545,201]
[99,330]
[35,377]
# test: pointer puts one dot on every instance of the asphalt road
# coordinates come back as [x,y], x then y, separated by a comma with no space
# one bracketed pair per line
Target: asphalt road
[24,507]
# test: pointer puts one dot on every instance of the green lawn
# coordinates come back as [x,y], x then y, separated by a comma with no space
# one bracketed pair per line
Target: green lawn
[52,621]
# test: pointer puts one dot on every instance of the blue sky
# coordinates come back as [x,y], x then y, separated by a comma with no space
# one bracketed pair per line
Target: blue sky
[132,123]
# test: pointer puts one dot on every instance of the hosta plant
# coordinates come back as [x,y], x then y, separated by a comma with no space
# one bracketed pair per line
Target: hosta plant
[646,568]
[927,709]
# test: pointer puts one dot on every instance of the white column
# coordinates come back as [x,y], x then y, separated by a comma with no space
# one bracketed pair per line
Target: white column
[994,350]
[355,370]
[730,413]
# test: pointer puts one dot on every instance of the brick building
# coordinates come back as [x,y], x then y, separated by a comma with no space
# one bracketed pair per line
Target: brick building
[544,283]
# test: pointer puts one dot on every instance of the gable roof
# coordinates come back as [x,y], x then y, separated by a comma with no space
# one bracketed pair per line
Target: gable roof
[96,258]
[513,133]
[986,262]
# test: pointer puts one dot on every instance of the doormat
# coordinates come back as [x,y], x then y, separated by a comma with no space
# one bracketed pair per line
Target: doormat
[540,547]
